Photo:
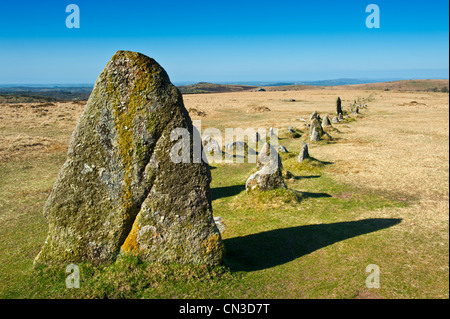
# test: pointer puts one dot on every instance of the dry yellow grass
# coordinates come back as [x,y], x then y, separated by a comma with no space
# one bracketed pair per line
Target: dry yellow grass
[30,129]
[398,146]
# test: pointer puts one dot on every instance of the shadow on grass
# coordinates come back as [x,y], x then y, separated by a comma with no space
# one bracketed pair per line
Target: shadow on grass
[307,177]
[226,191]
[276,247]
[304,195]
[320,162]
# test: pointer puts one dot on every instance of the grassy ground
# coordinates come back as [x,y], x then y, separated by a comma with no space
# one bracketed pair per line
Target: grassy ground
[352,206]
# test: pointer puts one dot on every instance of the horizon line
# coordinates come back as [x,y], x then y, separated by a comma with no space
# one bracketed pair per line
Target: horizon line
[232,82]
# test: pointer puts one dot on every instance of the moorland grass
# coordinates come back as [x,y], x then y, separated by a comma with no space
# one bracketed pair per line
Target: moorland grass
[313,239]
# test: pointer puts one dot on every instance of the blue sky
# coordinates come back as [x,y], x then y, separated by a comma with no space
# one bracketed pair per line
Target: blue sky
[220,41]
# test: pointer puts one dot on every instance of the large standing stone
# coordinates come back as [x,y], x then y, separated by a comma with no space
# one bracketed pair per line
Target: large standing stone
[119,190]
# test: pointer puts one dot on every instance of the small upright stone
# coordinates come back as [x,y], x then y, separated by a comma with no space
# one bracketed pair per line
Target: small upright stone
[313,115]
[268,154]
[315,136]
[267,178]
[339,106]
[304,153]
[315,124]
[270,175]
[326,121]
[254,138]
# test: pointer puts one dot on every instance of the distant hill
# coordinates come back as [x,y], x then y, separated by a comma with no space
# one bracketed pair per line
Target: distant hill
[205,87]
[333,82]
[28,94]
[403,85]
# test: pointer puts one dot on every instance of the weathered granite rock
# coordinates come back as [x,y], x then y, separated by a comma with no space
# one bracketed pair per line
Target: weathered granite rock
[270,174]
[326,121]
[315,124]
[335,120]
[267,178]
[314,115]
[338,106]
[119,190]
[304,153]
[268,154]
[315,136]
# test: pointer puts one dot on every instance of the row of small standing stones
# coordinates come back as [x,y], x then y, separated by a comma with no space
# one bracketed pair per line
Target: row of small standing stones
[269,174]
[269,178]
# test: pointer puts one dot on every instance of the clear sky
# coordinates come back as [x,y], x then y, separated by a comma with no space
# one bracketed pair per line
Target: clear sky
[220,41]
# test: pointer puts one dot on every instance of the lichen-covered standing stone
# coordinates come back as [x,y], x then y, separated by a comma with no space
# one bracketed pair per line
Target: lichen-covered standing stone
[119,191]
